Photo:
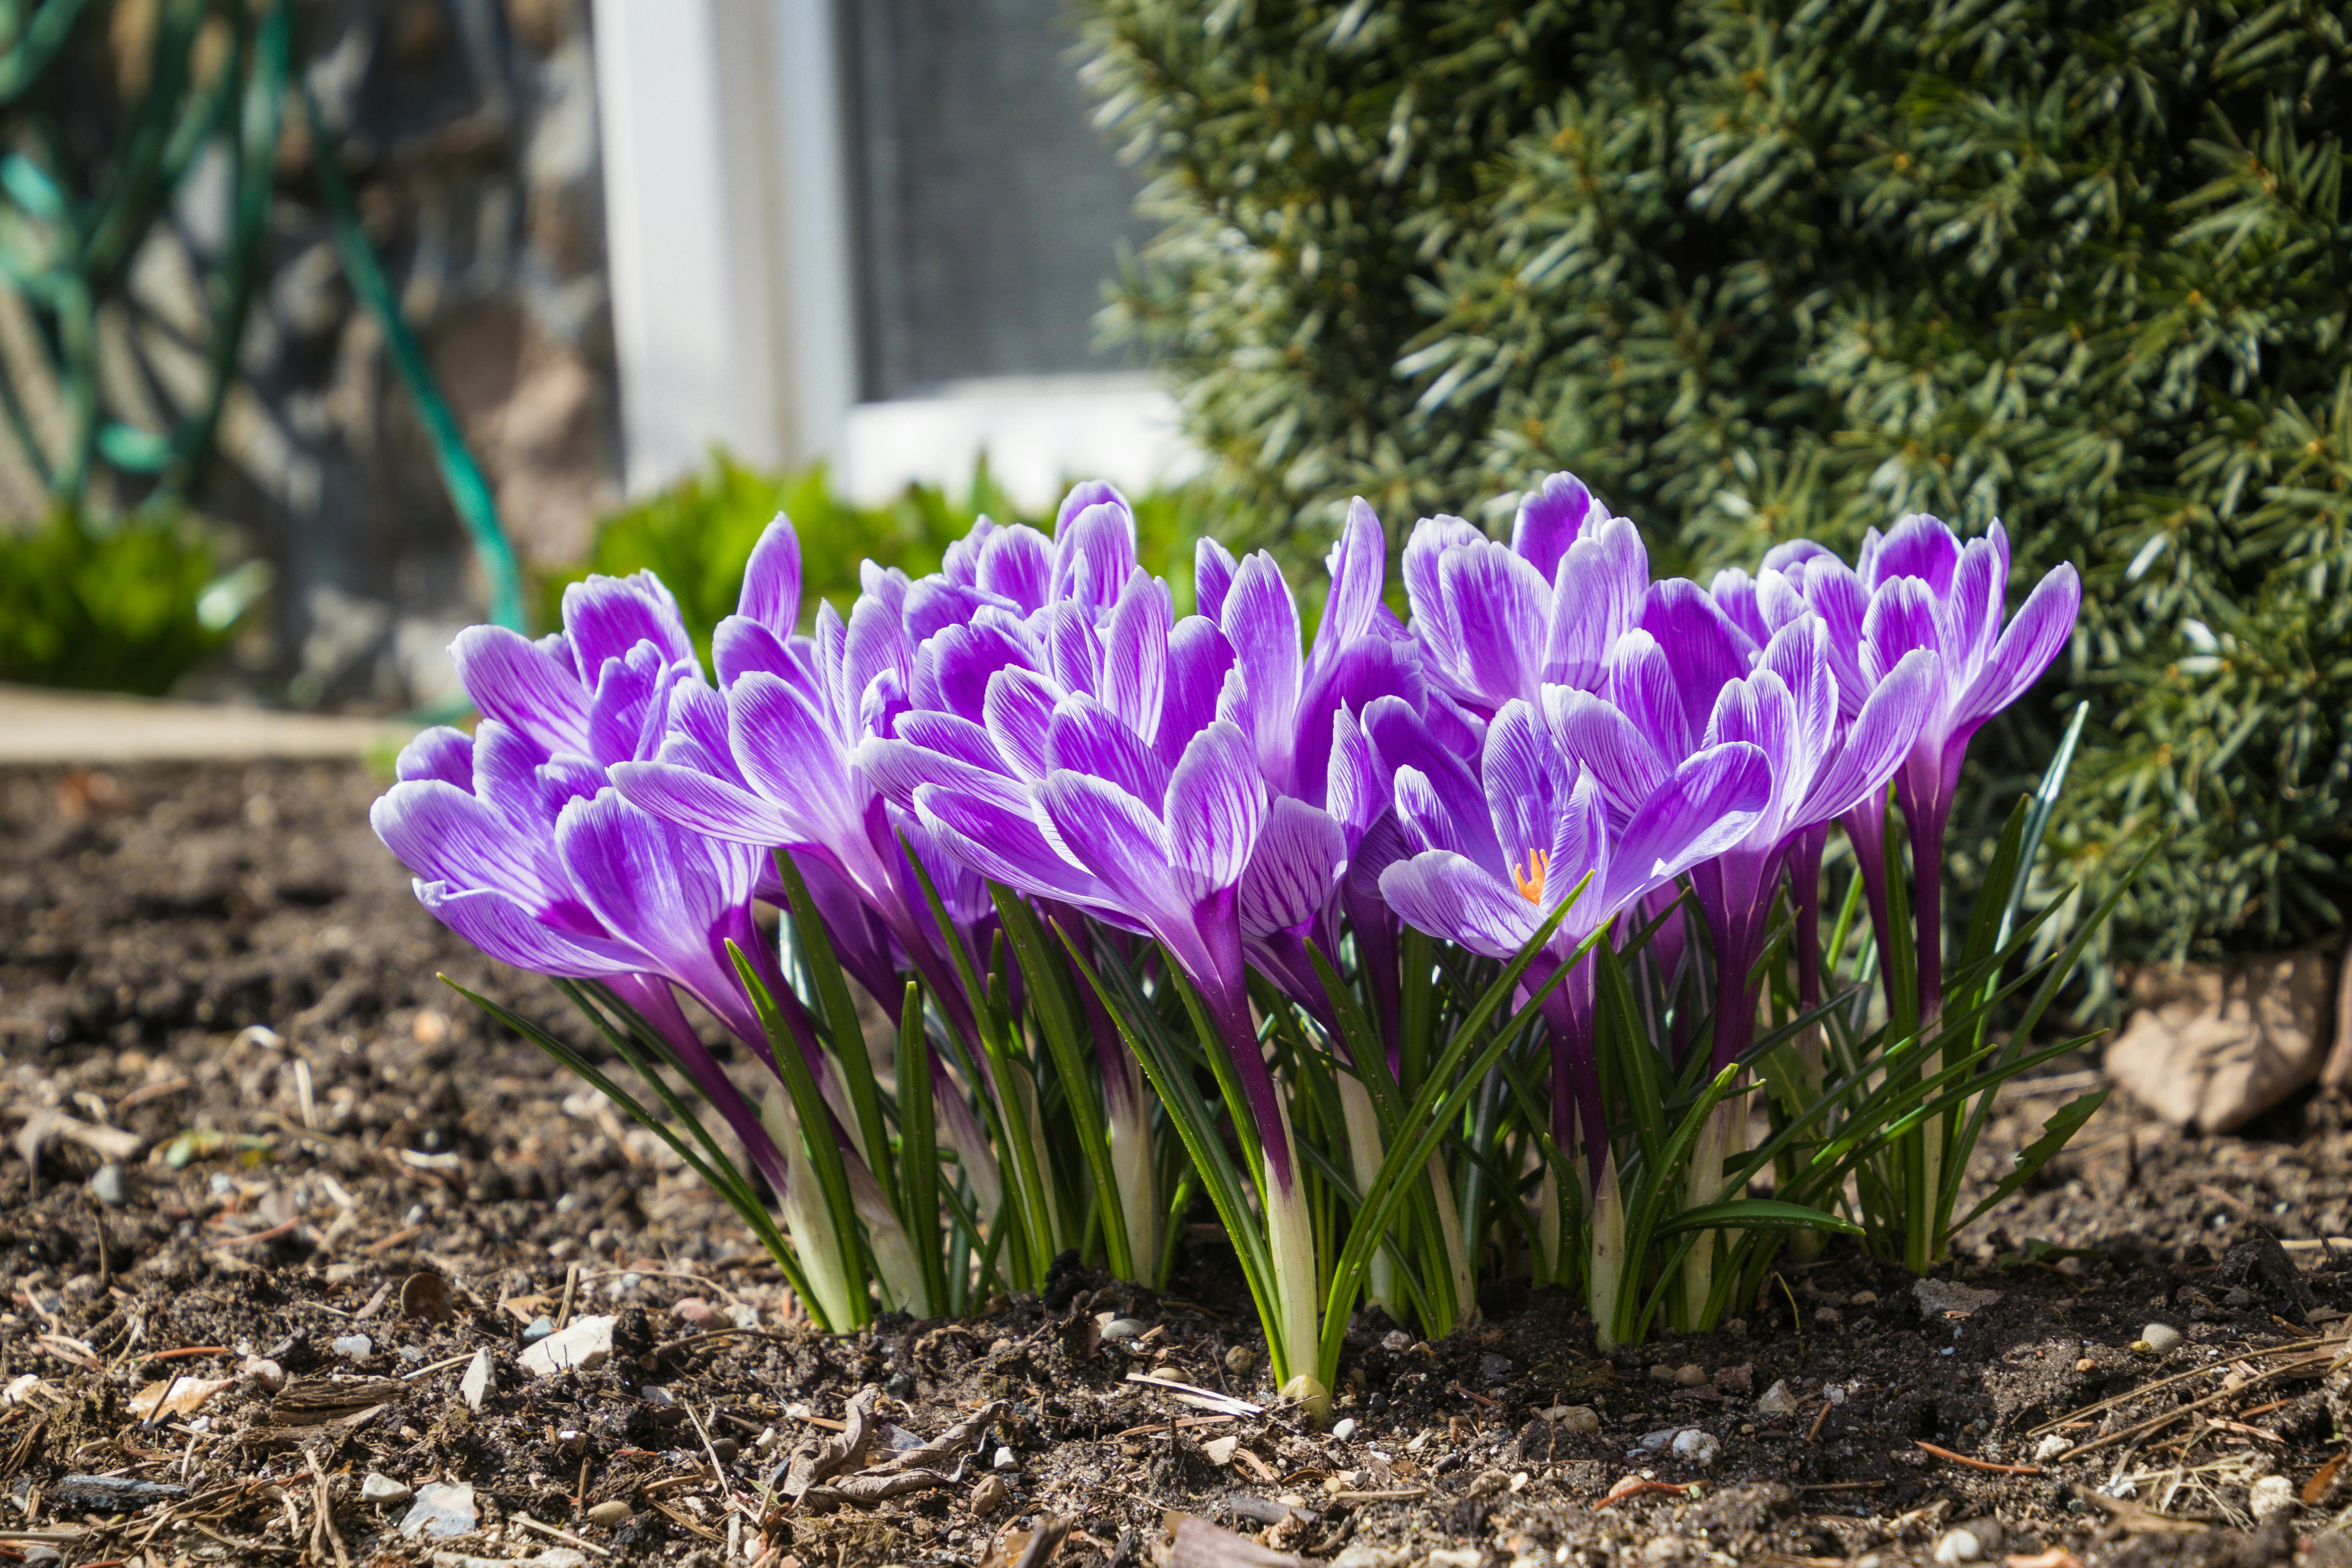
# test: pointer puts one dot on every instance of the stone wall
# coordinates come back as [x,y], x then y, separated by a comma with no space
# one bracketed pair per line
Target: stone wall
[468,128]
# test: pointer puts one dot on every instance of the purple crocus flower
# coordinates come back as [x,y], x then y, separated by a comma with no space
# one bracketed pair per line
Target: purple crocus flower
[1682,681]
[1919,587]
[1494,857]
[1097,756]
[518,847]
[1498,622]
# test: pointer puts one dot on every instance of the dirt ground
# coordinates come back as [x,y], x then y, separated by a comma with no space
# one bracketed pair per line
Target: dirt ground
[243,1119]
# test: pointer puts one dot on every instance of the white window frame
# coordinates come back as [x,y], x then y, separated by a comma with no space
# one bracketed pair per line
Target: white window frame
[729,224]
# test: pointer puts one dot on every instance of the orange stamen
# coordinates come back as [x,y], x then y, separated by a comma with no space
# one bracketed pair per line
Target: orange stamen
[1531,885]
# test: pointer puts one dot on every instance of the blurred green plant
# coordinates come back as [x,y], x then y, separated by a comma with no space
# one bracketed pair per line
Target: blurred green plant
[697,536]
[128,606]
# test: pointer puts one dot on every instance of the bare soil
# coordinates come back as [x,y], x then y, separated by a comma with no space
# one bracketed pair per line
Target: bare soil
[242,1117]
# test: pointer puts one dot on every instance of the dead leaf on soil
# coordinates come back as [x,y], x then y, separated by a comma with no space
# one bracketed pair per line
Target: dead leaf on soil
[2314,1490]
[1197,1544]
[181,1395]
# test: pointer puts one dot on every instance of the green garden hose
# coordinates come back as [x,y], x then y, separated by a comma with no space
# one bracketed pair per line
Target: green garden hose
[64,258]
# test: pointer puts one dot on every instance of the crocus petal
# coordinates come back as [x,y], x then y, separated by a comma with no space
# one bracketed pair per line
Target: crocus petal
[1525,785]
[1094,551]
[1216,806]
[1298,861]
[1212,575]
[440,753]
[518,683]
[1705,651]
[789,754]
[1261,620]
[604,617]
[1605,740]
[1111,832]
[2028,644]
[1135,652]
[1006,846]
[743,645]
[1499,608]
[1918,546]
[1199,659]
[1882,734]
[899,769]
[1355,565]
[1019,717]
[772,580]
[443,834]
[1017,563]
[702,803]
[1598,594]
[1452,899]
[1084,736]
[496,923]
[1549,519]
[1708,805]
[1641,686]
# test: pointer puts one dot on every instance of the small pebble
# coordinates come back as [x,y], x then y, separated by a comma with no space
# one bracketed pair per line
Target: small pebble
[1866,1297]
[442,1509]
[267,1375]
[1344,1428]
[1494,1368]
[1691,1376]
[359,1347]
[1959,1546]
[475,1385]
[1378,1405]
[724,1449]
[106,1186]
[605,1515]
[1828,1318]
[1663,1549]
[1396,1341]
[1575,1417]
[988,1496]
[1240,1360]
[1696,1447]
[2086,1364]
[1777,1400]
[2270,1496]
[2050,1448]
[694,1311]
[383,1488]
[1662,1372]
[1123,1329]
[1004,1459]
[2159,1336]
[539,1329]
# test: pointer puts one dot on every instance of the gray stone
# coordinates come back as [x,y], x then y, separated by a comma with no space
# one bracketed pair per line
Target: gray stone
[2159,1336]
[1937,1297]
[380,1487]
[1777,1400]
[442,1509]
[1494,1368]
[1961,1545]
[359,1347]
[605,1515]
[586,1344]
[476,1384]
[1344,1428]
[106,1186]
[539,1329]
[1123,1329]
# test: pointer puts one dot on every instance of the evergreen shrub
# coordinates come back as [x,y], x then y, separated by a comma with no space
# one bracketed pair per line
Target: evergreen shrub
[1765,270]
